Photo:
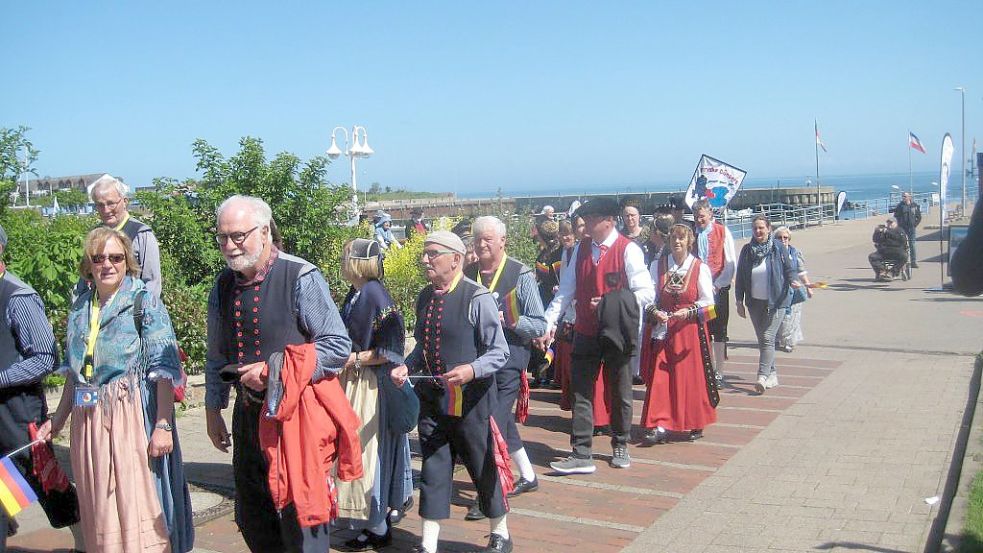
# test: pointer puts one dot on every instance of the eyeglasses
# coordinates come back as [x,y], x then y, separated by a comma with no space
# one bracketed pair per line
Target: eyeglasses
[433,254]
[114,258]
[108,205]
[237,237]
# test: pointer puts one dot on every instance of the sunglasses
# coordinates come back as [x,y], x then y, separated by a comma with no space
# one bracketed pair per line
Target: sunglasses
[114,258]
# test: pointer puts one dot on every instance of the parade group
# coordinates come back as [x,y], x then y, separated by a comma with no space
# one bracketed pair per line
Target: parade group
[326,397]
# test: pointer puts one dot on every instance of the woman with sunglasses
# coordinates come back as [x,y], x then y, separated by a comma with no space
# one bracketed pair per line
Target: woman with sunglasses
[790,331]
[122,364]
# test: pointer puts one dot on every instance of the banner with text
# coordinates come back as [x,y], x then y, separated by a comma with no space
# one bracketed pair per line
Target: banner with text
[715,181]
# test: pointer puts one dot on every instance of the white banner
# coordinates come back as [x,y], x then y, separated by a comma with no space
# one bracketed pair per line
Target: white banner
[840,201]
[947,150]
[715,181]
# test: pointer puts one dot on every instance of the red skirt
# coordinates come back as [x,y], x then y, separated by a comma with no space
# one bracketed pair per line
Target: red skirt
[562,361]
[676,398]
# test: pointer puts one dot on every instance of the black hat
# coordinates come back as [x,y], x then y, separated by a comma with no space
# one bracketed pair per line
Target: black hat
[603,207]
[677,204]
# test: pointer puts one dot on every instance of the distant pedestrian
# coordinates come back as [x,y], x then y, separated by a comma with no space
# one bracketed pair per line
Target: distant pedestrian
[790,333]
[418,225]
[764,277]
[909,216]
[384,233]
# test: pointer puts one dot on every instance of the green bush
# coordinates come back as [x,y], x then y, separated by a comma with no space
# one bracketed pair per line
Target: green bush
[404,277]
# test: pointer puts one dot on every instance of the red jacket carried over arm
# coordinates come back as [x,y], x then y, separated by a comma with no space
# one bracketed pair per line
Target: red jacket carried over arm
[314,426]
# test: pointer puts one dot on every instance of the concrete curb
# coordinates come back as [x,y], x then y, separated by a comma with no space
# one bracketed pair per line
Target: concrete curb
[946,534]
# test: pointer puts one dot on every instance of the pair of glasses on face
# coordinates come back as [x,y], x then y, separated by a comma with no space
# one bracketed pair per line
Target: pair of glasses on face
[237,237]
[114,258]
[108,205]
[434,254]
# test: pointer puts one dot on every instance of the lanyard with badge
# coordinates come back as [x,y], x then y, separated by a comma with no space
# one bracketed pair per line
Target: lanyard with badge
[86,394]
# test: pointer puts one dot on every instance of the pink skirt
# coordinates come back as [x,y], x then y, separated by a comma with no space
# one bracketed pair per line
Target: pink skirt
[118,503]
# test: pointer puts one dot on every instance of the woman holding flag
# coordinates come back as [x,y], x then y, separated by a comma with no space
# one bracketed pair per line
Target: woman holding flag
[676,360]
[122,364]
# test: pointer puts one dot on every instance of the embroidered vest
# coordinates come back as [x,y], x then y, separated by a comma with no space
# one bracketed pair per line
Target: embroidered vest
[715,249]
[447,336]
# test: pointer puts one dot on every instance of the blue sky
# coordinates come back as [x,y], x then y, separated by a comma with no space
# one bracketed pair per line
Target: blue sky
[465,96]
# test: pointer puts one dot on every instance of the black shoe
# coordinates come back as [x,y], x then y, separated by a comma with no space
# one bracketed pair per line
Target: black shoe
[418,548]
[695,435]
[371,541]
[496,544]
[602,430]
[656,436]
[474,513]
[637,381]
[394,519]
[535,384]
[523,486]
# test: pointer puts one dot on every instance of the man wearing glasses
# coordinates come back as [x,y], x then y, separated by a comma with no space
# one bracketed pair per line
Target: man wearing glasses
[459,347]
[111,198]
[263,302]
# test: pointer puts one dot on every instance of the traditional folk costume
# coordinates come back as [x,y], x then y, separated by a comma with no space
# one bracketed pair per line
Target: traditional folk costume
[127,502]
[682,392]
[286,304]
[456,327]
[598,269]
[375,324]
[549,262]
[27,355]
[714,246]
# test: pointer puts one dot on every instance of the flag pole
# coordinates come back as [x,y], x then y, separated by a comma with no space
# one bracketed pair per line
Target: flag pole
[911,187]
[819,194]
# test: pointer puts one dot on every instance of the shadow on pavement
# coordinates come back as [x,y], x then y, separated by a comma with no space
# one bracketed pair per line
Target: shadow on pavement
[857,546]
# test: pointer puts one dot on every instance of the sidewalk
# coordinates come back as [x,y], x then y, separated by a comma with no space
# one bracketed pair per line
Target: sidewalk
[840,457]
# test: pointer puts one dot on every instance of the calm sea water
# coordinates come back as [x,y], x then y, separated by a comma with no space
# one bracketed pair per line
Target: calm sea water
[857,187]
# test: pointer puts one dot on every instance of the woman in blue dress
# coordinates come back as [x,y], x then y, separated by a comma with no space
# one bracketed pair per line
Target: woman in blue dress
[376,329]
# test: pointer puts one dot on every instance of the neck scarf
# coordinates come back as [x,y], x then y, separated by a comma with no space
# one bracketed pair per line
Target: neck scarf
[760,250]
[703,242]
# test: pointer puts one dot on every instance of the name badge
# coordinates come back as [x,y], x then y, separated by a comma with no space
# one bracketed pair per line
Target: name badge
[86,396]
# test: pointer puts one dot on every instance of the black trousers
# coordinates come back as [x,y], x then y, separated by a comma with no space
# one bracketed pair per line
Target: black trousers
[718,326]
[585,368]
[263,529]
[508,380]
[18,408]
[468,436]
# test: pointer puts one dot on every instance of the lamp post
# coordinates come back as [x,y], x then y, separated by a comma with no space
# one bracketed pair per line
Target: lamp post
[354,151]
[962,166]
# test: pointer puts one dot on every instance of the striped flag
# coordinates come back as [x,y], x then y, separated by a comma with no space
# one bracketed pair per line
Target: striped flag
[454,397]
[915,143]
[819,141]
[510,308]
[15,493]
[706,314]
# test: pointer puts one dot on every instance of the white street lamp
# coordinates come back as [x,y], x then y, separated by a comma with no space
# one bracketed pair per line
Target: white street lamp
[354,151]
[962,166]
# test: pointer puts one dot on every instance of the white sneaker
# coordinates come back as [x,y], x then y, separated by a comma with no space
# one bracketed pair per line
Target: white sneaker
[761,385]
[771,381]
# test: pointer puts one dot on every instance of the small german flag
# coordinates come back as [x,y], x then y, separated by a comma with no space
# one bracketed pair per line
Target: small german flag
[455,400]
[706,314]
[15,493]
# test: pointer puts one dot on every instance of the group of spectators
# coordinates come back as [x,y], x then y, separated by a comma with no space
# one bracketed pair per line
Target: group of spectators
[325,397]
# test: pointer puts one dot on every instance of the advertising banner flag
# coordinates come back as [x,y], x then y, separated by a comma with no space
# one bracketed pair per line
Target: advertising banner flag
[947,150]
[840,201]
[715,181]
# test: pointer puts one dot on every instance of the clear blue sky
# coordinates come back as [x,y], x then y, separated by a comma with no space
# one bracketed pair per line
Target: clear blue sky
[465,95]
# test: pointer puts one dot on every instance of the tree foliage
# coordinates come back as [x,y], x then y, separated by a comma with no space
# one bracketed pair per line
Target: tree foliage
[13,147]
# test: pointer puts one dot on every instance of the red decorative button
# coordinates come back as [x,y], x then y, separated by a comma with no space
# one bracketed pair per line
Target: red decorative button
[256,299]
[258,353]
[256,288]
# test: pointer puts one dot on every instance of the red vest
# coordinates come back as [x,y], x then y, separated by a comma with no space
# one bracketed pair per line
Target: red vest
[715,249]
[591,281]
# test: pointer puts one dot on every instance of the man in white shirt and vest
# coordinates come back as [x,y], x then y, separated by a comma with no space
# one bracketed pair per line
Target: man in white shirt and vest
[714,246]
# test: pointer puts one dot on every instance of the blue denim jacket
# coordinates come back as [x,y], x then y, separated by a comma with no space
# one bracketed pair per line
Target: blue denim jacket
[781,273]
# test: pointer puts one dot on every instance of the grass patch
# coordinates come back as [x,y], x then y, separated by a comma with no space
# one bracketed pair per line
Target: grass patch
[973,531]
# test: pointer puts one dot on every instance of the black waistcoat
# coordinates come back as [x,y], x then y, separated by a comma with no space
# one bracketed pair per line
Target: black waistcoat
[448,337]
[505,285]
[260,319]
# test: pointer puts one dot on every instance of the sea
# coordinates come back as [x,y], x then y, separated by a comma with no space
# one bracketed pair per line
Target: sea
[859,188]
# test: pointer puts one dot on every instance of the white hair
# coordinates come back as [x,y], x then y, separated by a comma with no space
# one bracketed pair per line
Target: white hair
[782,229]
[260,210]
[488,222]
[108,181]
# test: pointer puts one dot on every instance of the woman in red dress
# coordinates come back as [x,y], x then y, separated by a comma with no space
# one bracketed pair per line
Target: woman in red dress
[674,362]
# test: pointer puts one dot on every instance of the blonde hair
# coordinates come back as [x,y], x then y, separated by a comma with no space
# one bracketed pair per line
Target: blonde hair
[96,240]
[682,231]
[353,269]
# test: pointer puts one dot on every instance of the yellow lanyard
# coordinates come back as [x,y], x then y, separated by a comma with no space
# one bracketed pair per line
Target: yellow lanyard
[90,349]
[498,273]
[123,222]
[454,282]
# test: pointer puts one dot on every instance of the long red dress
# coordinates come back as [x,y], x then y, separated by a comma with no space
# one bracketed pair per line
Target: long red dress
[676,398]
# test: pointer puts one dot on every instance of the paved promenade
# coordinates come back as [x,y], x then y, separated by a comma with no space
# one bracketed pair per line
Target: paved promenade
[840,457]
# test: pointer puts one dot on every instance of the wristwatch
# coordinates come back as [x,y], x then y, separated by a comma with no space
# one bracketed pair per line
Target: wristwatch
[165,426]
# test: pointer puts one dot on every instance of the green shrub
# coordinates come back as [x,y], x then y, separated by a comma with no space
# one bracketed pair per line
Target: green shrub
[405,278]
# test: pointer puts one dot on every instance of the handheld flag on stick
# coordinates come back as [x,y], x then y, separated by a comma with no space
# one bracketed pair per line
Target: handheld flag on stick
[510,309]
[15,493]
[706,314]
